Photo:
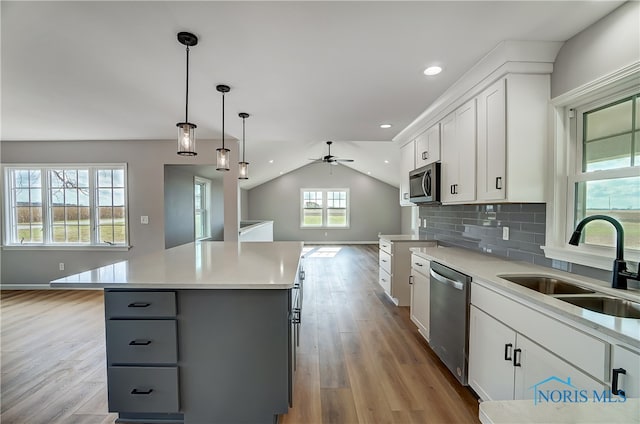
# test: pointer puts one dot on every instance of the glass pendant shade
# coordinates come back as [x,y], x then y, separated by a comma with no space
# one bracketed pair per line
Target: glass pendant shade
[243,170]
[222,159]
[186,139]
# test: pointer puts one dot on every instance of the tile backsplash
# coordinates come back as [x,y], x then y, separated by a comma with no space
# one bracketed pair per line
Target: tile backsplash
[480,227]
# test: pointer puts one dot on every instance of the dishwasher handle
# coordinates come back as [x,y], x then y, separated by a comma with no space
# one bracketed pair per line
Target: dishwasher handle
[441,278]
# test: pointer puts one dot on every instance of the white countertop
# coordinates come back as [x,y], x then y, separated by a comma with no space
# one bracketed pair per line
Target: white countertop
[524,411]
[486,268]
[402,237]
[199,265]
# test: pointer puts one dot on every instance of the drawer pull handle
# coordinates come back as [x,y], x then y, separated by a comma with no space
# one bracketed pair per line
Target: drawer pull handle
[516,359]
[418,263]
[139,305]
[141,392]
[507,352]
[139,342]
[614,383]
[384,260]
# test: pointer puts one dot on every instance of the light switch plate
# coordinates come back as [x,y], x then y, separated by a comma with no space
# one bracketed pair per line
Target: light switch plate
[144,219]
[505,233]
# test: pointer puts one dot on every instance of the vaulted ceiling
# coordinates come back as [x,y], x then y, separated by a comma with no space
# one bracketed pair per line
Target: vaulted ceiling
[307,72]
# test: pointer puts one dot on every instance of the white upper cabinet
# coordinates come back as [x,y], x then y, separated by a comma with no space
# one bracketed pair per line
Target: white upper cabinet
[512,125]
[407,164]
[428,146]
[458,183]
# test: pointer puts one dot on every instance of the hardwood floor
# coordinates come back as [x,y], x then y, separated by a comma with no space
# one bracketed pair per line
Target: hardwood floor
[360,360]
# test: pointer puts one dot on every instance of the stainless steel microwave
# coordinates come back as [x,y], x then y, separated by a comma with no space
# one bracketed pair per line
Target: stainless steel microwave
[424,184]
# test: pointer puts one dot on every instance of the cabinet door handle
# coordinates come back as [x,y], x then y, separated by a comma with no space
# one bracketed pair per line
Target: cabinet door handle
[451,189]
[384,280]
[141,392]
[405,196]
[425,155]
[302,275]
[418,263]
[139,305]
[139,342]
[507,351]
[411,279]
[499,183]
[516,359]
[384,260]
[614,381]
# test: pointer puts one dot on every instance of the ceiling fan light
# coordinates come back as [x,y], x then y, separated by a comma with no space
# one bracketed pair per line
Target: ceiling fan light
[432,70]
[186,139]
[243,170]
[222,159]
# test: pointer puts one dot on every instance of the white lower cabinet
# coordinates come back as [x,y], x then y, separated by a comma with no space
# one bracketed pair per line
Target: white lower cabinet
[506,365]
[420,288]
[625,371]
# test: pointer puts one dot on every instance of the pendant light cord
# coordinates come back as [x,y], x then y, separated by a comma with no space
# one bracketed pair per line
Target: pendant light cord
[223,119]
[186,107]
[244,143]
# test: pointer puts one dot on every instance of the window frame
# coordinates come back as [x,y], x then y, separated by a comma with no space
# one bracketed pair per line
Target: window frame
[565,154]
[205,213]
[8,219]
[325,209]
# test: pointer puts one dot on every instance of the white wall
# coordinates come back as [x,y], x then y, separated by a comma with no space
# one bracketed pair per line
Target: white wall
[374,204]
[606,46]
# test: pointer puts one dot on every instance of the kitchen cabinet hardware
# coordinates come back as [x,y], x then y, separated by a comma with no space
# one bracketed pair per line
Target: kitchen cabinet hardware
[139,305]
[614,381]
[516,360]
[411,279]
[425,155]
[507,351]
[418,263]
[141,392]
[498,183]
[139,342]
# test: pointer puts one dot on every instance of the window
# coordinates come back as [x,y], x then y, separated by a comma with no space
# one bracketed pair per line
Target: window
[201,199]
[607,178]
[66,205]
[324,208]
[595,159]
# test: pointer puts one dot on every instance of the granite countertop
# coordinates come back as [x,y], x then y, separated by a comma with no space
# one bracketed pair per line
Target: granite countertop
[199,265]
[402,237]
[487,268]
[524,411]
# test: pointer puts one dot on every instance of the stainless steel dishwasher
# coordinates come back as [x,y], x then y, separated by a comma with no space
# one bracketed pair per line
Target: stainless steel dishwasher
[449,318]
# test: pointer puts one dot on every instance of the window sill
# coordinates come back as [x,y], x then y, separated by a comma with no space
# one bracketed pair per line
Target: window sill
[324,228]
[78,247]
[595,258]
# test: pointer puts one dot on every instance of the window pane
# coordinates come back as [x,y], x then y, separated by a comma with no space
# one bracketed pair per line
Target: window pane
[608,121]
[618,198]
[337,217]
[198,224]
[118,197]
[118,178]
[104,178]
[636,154]
[106,234]
[312,217]
[104,197]
[608,153]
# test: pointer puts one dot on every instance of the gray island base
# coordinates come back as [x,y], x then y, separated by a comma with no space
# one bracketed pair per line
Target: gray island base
[203,355]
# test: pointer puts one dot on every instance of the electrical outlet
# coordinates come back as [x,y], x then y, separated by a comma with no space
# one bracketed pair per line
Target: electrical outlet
[144,219]
[505,233]
[424,223]
[61,266]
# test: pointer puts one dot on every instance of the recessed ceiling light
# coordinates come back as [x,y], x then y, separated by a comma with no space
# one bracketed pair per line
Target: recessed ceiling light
[281,172]
[432,70]
[271,161]
[386,161]
[369,173]
[385,125]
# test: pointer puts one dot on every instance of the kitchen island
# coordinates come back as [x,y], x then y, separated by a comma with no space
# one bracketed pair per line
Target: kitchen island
[201,333]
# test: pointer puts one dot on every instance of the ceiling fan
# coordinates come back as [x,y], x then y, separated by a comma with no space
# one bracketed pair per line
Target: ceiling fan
[329,158]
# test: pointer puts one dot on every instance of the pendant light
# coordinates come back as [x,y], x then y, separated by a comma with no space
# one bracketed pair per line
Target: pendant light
[222,154]
[243,167]
[187,130]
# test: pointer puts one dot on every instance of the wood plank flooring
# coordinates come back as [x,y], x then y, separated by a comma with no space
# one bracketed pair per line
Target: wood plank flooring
[360,359]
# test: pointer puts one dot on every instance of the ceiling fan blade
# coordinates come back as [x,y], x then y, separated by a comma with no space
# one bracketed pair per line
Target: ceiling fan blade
[343,160]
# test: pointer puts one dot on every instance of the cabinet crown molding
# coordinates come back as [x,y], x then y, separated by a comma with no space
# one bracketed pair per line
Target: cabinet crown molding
[508,57]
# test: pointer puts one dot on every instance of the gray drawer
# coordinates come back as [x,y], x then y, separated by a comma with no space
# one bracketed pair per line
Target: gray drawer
[141,342]
[140,304]
[143,389]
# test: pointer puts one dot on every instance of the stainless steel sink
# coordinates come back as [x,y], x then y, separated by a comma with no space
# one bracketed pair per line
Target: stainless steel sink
[605,305]
[546,285]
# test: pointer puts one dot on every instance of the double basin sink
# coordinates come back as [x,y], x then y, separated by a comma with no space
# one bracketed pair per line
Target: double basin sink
[578,296]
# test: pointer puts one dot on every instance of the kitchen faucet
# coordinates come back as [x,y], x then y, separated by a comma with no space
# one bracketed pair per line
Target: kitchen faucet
[620,273]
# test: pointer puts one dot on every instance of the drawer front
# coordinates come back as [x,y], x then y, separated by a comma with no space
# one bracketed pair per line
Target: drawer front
[140,304]
[384,279]
[142,342]
[385,261]
[143,389]
[385,246]
[420,265]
